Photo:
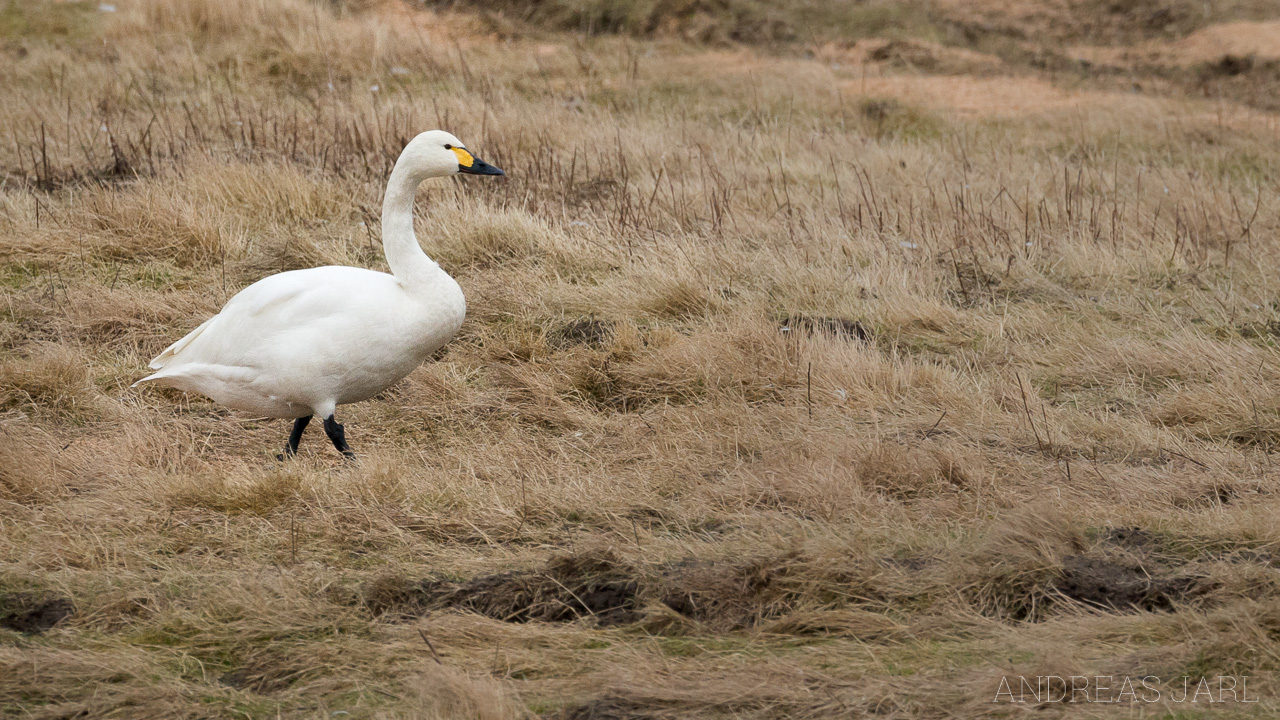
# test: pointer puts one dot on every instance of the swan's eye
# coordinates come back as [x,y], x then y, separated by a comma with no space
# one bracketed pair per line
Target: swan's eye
[447,146]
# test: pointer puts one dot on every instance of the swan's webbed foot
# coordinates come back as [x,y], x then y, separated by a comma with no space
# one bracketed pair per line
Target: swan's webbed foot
[334,430]
[295,437]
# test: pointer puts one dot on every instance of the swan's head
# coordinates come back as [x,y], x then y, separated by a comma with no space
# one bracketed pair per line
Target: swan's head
[436,153]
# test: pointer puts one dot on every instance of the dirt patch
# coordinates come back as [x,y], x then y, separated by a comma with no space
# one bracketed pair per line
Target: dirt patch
[1133,538]
[585,331]
[917,55]
[905,53]
[1228,66]
[34,613]
[1039,565]
[1127,570]
[730,596]
[1121,584]
[839,328]
[597,586]
[589,585]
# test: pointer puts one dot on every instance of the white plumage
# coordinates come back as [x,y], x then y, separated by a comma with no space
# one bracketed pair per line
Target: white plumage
[300,343]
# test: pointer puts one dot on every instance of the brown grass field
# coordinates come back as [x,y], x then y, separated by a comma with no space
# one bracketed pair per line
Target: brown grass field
[822,360]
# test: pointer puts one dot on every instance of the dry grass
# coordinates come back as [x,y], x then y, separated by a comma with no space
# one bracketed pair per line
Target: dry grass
[825,376]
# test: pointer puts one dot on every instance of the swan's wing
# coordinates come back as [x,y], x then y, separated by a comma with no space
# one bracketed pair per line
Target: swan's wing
[255,324]
[270,293]
[163,358]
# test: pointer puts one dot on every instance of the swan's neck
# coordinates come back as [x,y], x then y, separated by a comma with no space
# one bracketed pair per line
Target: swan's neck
[408,262]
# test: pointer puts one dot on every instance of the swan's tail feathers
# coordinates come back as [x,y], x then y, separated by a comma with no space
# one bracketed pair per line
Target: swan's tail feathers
[149,378]
[163,358]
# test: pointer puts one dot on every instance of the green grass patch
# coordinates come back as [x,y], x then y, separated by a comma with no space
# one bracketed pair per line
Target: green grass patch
[18,275]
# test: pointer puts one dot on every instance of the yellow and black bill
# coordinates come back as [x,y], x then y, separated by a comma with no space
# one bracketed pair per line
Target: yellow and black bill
[472,165]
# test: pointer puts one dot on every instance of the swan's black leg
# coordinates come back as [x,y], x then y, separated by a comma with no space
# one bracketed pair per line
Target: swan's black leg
[295,437]
[333,429]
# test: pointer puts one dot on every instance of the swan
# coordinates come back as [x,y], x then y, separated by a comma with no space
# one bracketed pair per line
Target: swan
[300,343]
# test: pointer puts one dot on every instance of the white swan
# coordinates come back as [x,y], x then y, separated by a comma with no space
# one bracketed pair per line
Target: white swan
[300,343]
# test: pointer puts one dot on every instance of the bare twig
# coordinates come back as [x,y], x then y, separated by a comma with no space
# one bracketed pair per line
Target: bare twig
[808,391]
[1030,419]
[929,432]
[430,647]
